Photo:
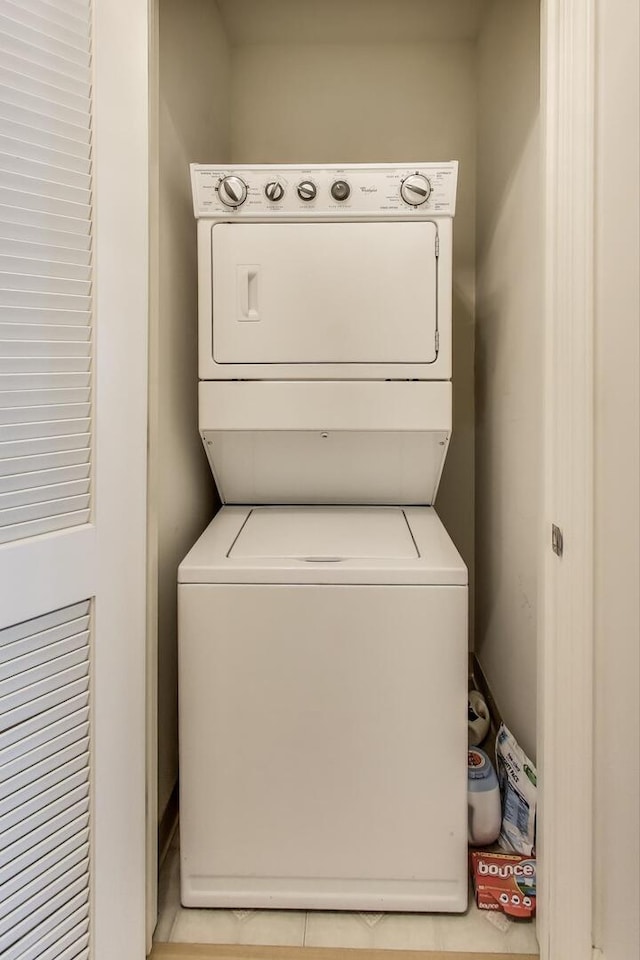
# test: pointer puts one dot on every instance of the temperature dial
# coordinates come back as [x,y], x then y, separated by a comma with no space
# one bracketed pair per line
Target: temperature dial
[307,190]
[274,191]
[232,191]
[415,189]
[340,190]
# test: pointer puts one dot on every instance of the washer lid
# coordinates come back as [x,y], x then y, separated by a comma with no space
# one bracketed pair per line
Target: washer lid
[325,534]
[325,545]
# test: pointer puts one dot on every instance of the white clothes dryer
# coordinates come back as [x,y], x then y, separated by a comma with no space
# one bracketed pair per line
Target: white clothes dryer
[323,613]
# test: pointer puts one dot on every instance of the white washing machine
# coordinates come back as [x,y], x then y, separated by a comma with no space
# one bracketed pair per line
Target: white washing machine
[323,613]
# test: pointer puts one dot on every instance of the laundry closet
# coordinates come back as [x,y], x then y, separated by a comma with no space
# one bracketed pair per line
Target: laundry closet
[383,81]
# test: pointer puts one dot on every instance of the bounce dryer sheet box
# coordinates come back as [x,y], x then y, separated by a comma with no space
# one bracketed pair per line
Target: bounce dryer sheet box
[505,882]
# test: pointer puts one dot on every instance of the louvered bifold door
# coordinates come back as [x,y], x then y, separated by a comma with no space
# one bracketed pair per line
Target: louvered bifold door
[45,266]
[45,787]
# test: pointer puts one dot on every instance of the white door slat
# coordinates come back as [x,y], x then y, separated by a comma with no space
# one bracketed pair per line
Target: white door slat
[45,36]
[26,250]
[28,753]
[34,802]
[51,760]
[56,444]
[39,625]
[56,491]
[34,317]
[41,21]
[22,266]
[44,428]
[11,837]
[31,654]
[47,141]
[13,144]
[26,109]
[45,461]
[39,331]
[12,91]
[38,365]
[29,383]
[26,643]
[58,177]
[40,479]
[49,300]
[53,864]
[43,830]
[26,183]
[26,916]
[70,934]
[45,883]
[15,800]
[21,401]
[45,846]
[45,347]
[39,233]
[76,701]
[23,63]
[64,61]
[28,695]
[35,196]
[21,419]
[40,224]
[11,689]
[21,82]
[75,684]
[38,511]
[68,15]
[35,528]
[49,921]
[22,283]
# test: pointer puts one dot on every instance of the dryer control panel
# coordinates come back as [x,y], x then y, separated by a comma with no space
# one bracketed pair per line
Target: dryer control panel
[317,192]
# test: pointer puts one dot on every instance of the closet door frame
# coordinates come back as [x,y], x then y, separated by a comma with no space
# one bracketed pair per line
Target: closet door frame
[566,621]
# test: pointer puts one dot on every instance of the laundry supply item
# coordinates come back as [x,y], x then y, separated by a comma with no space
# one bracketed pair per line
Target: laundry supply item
[517,778]
[483,799]
[504,882]
[479,718]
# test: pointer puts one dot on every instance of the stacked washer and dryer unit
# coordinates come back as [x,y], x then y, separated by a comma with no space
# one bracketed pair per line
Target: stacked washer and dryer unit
[323,613]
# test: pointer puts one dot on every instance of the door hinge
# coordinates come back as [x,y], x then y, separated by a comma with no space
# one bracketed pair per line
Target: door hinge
[437,340]
[557,540]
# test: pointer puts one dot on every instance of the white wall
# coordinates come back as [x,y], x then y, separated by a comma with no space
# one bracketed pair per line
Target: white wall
[193,126]
[508,359]
[379,102]
[617,540]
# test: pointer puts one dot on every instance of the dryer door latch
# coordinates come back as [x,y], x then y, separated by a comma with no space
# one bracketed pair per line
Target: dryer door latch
[557,540]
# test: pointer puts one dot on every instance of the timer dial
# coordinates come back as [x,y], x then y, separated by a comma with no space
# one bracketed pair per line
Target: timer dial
[274,191]
[232,191]
[307,190]
[415,189]
[340,190]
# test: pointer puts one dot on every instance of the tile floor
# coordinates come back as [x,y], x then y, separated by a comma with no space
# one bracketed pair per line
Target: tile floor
[475,931]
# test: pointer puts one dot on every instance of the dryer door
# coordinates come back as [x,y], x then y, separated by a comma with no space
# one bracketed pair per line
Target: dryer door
[329,293]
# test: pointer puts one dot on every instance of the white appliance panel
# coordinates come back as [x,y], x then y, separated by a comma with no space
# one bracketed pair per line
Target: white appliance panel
[323,744]
[367,545]
[324,292]
[325,533]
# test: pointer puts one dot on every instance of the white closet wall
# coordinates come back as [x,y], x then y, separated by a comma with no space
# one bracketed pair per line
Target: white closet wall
[193,125]
[509,359]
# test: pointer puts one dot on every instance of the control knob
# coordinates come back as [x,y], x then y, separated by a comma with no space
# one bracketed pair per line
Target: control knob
[307,190]
[340,190]
[232,191]
[415,189]
[274,191]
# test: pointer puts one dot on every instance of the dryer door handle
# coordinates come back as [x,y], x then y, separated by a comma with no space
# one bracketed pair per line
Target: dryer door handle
[248,291]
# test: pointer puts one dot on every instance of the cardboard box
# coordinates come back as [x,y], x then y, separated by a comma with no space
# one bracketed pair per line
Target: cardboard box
[505,882]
